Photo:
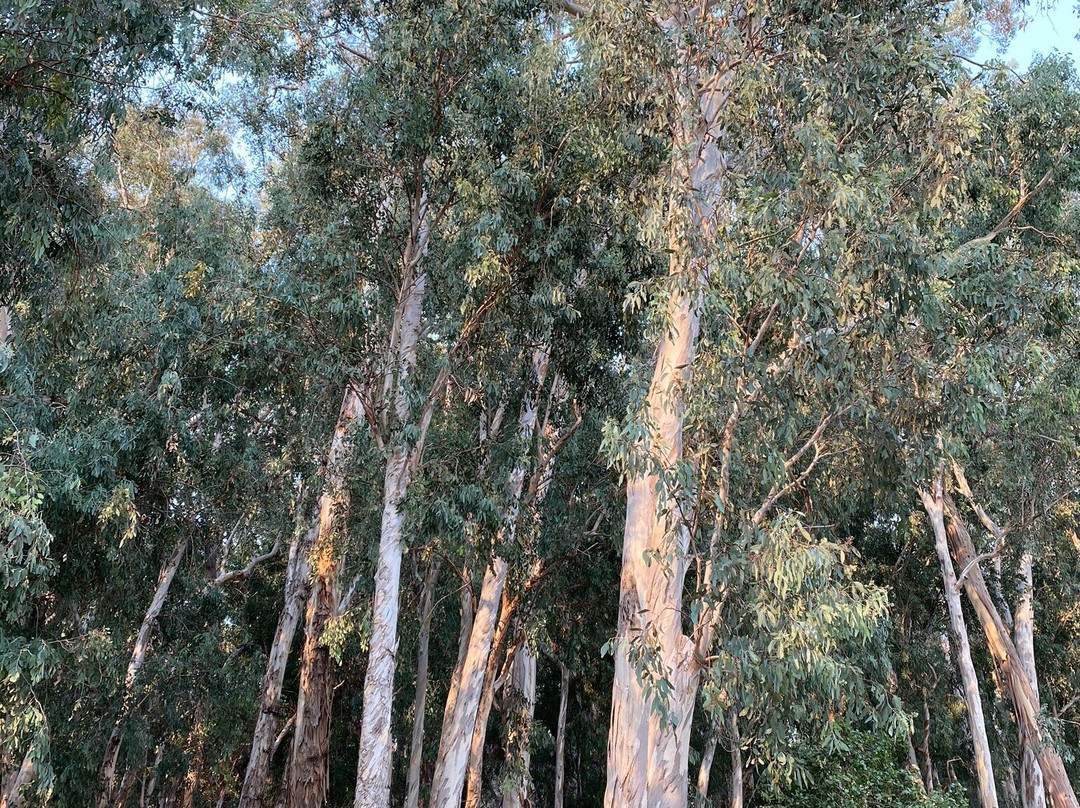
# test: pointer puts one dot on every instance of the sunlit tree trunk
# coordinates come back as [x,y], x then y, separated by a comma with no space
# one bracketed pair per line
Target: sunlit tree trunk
[107,778]
[519,726]
[374,763]
[984,770]
[1032,791]
[560,735]
[457,738]
[253,793]
[1059,790]
[416,751]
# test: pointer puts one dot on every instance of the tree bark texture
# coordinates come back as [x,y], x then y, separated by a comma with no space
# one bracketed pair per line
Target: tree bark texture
[416,750]
[984,771]
[253,793]
[522,700]
[11,794]
[107,777]
[1059,790]
[1032,790]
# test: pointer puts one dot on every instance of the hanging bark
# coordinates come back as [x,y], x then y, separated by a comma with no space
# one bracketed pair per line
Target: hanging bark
[560,736]
[519,726]
[253,793]
[452,761]
[107,777]
[984,771]
[1059,790]
[416,751]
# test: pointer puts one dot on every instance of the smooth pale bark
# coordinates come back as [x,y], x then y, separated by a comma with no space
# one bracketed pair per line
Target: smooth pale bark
[107,777]
[307,775]
[483,713]
[648,749]
[519,726]
[374,761]
[984,770]
[253,793]
[11,796]
[1032,790]
[457,738]
[1059,790]
[416,751]
[708,754]
[560,736]
[737,786]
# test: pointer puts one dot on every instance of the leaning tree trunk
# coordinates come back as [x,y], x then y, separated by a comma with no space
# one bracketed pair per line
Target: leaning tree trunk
[708,754]
[374,761]
[416,751]
[1032,790]
[253,793]
[453,758]
[1059,790]
[519,722]
[984,770]
[107,777]
[560,735]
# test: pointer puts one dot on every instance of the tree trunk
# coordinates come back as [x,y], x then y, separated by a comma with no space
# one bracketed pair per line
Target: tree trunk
[454,748]
[374,761]
[416,751]
[984,770]
[924,749]
[519,726]
[107,776]
[1033,793]
[11,795]
[253,793]
[560,735]
[705,770]
[737,786]
[1059,790]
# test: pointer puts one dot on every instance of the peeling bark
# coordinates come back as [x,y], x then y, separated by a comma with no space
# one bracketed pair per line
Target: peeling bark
[107,777]
[984,770]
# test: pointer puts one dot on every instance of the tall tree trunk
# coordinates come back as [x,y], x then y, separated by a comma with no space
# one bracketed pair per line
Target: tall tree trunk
[984,770]
[1059,790]
[924,748]
[453,757]
[737,786]
[708,754]
[11,793]
[560,735]
[253,793]
[519,726]
[307,775]
[1033,793]
[107,777]
[416,750]
[374,762]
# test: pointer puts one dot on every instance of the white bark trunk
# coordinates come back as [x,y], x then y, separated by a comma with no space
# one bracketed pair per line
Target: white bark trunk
[519,726]
[1031,776]
[560,736]
[984,769]
[453,758]
[416,750]
[374,762]
[108,790]
[253,793]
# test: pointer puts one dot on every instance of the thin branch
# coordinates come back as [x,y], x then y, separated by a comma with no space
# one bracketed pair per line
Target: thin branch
[245,573]
[1009,217]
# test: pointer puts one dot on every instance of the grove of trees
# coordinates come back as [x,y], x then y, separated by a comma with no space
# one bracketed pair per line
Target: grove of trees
[636,403]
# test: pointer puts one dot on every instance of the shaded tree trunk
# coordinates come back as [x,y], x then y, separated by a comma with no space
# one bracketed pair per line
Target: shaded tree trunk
[107,777]
[253,793]
[1059,790]
[708,754]
[737,785]
[416,750]
[560,735]
[11,793]
[519,726]
[984,770]
[1032,790]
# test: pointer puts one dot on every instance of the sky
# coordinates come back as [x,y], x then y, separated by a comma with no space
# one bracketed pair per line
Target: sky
[1053,29]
